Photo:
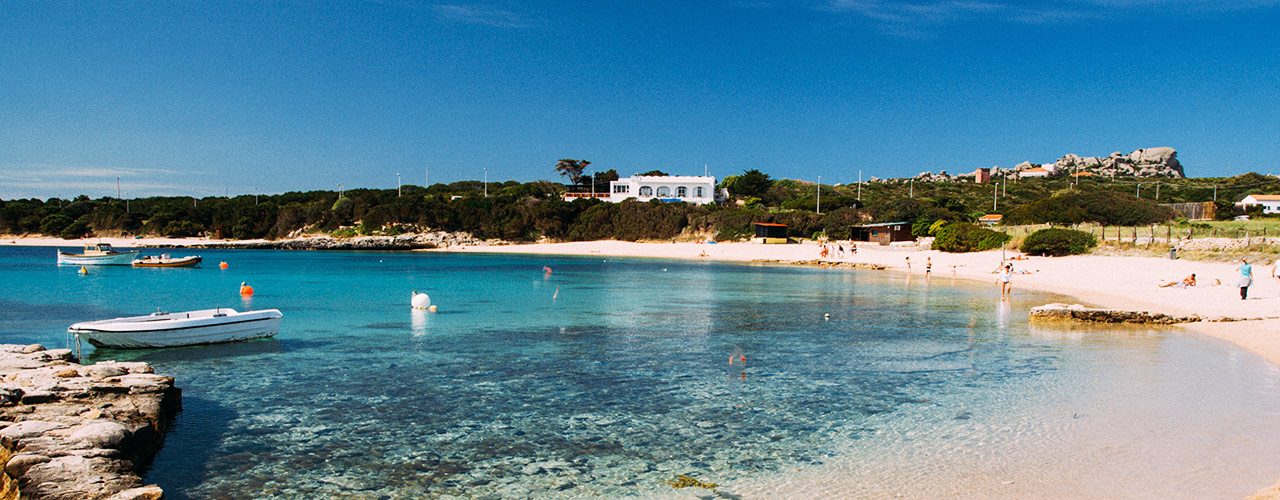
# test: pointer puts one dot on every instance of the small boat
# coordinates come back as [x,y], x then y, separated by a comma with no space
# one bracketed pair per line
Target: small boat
[97,254]
[161,329]
[164,260]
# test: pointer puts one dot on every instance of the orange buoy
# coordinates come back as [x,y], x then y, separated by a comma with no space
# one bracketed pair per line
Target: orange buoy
[245,289]
[83,270]
[222,265]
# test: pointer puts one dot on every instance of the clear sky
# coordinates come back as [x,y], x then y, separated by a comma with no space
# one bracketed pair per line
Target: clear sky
[176,97]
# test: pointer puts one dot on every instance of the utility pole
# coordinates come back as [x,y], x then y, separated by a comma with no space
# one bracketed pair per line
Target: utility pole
[994,192]
[117,188]
[593,184]
[1004,188]
[339,190]
[911,190]
[1215,193]
[255,197]
[486,182]
[193,197]
[1157,190]
[859,186]
[426,179]
[126,205]
[398,191]
[1137,193]
[819,194]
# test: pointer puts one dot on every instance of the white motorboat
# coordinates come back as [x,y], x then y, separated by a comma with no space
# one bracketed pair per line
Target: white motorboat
[161,329]
[98,254]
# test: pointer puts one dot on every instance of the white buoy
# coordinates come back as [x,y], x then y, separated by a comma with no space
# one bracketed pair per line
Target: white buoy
[420,300]
[826,316]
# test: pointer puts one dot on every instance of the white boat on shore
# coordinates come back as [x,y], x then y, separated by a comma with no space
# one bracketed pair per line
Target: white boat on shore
[98,254]
[161,329]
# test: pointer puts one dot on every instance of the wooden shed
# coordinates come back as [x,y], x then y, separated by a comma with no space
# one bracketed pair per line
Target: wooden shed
[884,233]
[768,232]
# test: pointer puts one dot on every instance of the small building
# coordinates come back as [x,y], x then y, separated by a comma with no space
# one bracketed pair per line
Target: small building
[1078,175]
[884,233]
[768,232]
[1270,202]
[991,219]
[1034,172]
[1204,210]
[982,175]
[696,189]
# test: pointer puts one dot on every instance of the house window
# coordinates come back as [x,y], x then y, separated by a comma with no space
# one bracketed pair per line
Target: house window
[664,191]
[621,188]
[682,192]
[698,192]
[646,191]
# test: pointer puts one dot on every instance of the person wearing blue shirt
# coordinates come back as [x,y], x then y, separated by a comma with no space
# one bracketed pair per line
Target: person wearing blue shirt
[1246,278]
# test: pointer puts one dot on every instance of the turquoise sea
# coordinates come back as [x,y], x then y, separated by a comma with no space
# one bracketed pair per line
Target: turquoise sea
[608,376]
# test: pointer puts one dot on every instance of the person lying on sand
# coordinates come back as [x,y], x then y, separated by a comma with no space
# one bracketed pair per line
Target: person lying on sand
[1186,282]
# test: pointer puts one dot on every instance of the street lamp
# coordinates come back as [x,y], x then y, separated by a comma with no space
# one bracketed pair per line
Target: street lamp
[819,194]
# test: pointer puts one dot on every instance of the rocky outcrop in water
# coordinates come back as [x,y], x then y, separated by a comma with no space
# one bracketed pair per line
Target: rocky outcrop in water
[412,241]
[1077,312]
[74,432]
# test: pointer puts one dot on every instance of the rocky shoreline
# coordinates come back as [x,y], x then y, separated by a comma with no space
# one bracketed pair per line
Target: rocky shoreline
[1077,312]
[76,432]
[408,241]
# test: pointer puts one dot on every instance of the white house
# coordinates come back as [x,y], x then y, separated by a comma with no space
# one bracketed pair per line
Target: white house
[687,188]
[1270,202]
[1035,172]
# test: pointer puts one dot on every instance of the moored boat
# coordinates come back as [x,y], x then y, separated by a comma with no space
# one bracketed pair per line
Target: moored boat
[164,260]
[97,254]
[161,329]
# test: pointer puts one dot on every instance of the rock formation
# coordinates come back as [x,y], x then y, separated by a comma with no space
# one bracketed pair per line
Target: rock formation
[1151,162]
[74,432]
[438,239]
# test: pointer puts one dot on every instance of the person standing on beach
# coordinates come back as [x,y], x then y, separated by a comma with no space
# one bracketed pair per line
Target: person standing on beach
[1246,278]
[908,265]
[928,266]
[1005,279]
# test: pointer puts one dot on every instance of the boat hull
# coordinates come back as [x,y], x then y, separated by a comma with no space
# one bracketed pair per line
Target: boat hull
[118,259]
[173,330]
[180,262]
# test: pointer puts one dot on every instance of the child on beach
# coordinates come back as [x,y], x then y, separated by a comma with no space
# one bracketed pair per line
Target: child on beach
[1005,279]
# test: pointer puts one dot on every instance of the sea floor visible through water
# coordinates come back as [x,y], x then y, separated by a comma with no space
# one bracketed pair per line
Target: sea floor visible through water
[606,377]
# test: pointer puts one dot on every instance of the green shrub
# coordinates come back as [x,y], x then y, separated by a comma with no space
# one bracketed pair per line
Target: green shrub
[963,237]
[1054,241]
[1103,207]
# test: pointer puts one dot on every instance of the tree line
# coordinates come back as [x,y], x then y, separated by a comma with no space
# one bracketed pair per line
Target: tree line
[534,211]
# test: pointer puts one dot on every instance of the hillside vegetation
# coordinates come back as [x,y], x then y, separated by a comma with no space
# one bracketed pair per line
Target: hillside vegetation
[530,211]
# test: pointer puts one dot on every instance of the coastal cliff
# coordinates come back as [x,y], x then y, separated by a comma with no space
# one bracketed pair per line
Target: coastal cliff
[75,432]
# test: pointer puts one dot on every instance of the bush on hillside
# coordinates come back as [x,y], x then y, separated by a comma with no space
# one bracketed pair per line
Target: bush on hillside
[1057,242]
[964,237]
[1103,207]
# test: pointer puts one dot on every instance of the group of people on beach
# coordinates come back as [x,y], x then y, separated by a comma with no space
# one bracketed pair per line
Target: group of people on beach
[835,249]
[1243,282]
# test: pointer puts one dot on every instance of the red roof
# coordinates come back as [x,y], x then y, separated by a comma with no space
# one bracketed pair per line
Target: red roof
[769,224]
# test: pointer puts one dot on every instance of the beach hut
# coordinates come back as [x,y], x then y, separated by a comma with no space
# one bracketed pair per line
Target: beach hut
[883,233]
[991,219]
[768,232]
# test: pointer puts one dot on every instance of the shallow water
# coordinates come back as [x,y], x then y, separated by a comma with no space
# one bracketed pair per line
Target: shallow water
[608,376]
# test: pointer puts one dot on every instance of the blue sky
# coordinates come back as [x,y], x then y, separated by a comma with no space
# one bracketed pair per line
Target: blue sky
[214,97]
